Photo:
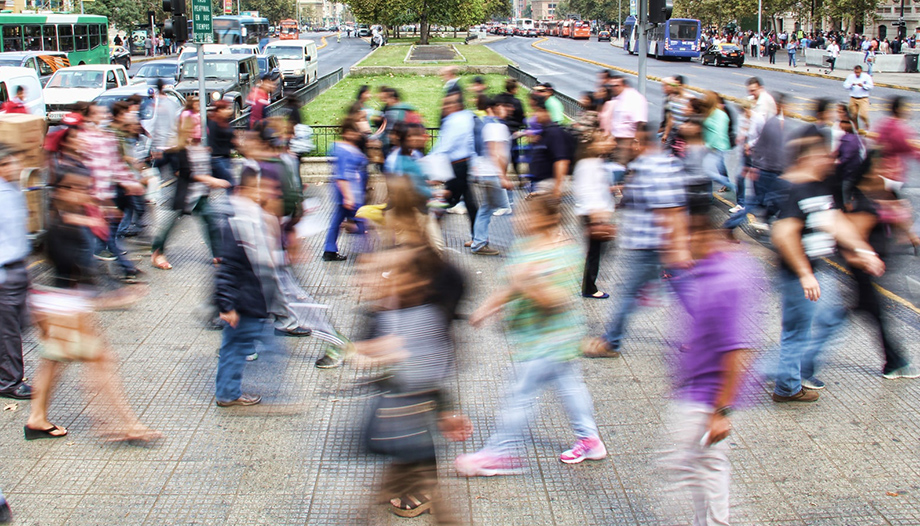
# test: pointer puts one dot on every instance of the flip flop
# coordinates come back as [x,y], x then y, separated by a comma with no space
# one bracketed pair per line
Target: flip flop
[36,434]
[597,295]
[160,262]
[410,505]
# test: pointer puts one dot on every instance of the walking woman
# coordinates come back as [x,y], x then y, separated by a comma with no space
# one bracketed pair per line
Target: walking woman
[717,139]
[592,182]
[193,183]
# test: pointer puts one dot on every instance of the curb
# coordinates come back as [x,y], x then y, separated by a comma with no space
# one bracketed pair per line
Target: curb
[736,100]
[829,77]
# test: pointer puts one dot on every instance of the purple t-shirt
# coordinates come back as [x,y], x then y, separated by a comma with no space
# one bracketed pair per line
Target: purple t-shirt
[719,297]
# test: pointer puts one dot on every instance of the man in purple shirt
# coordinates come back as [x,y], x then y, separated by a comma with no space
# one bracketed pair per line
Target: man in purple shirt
[711,366]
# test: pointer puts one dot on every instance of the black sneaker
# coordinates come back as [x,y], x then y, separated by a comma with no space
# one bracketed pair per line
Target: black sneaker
[6,515]
[329,362]
[333,256]
[105,255]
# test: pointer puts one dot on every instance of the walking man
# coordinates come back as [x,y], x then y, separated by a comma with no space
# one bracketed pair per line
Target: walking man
[456,141]
[14,278]
[859,85]
[491,179]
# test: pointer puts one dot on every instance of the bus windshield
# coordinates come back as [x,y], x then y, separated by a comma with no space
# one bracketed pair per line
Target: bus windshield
[684,31]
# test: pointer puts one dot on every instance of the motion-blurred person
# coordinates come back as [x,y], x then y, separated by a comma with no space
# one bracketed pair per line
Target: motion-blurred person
[451,82]
[768,161]
[514,120]
[133,207]
[246,282]
[552,150]
[749,132]
[764,103]
[165,132]
[194,182]
[872,207]
[594,204]
[395,111]
[677,104]
[719,293]
[6,515]
[553,106]
[260,98]
[651,234]
[490,174]
[17,103]
[456,140]
[716,137]
[349,175]
[897,142]
[809,228]
[222,140]
[14,278]
[628,116]
[64,313]
[546,327]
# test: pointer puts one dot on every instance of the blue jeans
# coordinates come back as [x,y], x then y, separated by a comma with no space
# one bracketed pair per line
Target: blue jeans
[533,377]
[222,168]
[807,326]
[338,215]
[769,194]
[235,345]
[130,221]
[111,244]
[641,267]
[491,196]
[714,166]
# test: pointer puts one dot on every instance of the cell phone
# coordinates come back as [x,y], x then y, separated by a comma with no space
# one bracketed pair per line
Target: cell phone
[704,442]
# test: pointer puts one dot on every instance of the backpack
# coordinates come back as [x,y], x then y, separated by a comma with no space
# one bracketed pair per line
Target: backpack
[478,124]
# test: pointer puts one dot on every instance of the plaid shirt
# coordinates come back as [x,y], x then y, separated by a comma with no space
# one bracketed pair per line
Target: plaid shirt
[105,162]
[656,182]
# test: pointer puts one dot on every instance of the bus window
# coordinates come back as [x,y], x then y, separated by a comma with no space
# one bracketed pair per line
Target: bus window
[81,37]
[93,36]
[49,38]
[32,37]
[12,38]
[65,37]
[684,30]
[104,32]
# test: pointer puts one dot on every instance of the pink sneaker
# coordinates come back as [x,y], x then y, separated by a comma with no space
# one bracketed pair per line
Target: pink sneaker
[487,464]
[585,449]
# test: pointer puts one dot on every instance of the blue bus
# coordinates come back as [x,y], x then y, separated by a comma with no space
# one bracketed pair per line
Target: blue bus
[232,30]
[678,38]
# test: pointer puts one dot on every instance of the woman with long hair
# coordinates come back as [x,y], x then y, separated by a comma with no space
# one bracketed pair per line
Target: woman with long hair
[717,139]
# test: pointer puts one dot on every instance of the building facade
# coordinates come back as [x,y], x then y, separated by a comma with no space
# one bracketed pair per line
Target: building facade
[544,9]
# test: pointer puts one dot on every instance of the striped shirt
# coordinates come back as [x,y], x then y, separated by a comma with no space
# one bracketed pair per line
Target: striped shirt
[655,183]
[424,329]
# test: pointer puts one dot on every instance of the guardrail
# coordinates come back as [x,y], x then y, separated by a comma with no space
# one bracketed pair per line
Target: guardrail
[570,106]
[304,95]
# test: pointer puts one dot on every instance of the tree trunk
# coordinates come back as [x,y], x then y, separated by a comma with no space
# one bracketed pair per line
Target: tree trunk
[423,40]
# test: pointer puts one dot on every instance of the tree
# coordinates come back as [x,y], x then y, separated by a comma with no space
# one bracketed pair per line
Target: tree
[124,14]
[457,13]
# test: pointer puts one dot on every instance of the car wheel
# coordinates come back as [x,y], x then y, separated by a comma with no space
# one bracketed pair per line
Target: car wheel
[236,109]
[128,63]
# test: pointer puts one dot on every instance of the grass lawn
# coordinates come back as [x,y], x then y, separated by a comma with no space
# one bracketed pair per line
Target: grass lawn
[431,40]
[475,55]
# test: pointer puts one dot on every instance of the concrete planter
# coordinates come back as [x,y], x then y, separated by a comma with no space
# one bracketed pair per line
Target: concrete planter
[848,59]
[424,70]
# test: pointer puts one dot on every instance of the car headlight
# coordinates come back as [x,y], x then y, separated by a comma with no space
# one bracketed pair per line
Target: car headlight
[215,96]
[300,72]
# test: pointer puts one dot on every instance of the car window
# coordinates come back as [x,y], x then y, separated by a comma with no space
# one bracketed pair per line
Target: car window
[77,79]
[30,63]
[121,77]
[44,68]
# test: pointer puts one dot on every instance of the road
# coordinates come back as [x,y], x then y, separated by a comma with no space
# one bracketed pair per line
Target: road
[342,55]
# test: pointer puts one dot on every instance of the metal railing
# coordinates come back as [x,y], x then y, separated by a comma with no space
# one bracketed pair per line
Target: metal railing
[324,136]
[303,95]
[570,106]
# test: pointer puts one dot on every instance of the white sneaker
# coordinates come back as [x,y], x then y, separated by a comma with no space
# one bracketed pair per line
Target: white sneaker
[501,212]
[908,371]
[459,209]
[735,209]
[762,227]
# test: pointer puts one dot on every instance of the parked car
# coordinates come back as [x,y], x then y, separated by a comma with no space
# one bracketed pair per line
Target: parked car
[45,63]
[148,101]
[209,49]
[229,77]
[723,54]
[11,77]
[152,71]
[120,55]
[364,32]
[270,64]
[531,32]
[70,86]
[603,36]
[298,59]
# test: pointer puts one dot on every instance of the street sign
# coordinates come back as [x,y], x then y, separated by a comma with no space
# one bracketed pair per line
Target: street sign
[632,8]
[201,21]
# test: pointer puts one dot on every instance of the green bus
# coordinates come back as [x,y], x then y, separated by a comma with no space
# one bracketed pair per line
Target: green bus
[85,38]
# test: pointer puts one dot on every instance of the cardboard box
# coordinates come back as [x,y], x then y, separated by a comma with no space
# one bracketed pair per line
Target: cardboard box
[22,131]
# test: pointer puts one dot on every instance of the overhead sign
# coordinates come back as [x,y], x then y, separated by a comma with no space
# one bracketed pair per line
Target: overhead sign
[228,7]
[201,22]
[633,9]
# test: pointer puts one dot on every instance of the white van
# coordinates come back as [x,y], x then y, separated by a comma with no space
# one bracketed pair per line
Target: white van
[298,59]
[11,77]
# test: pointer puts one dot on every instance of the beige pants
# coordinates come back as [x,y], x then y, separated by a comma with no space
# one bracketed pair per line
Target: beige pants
[859,109]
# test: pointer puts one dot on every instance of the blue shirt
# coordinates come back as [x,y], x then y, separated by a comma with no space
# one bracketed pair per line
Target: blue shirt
[349,164]
[456,139]
[14,243]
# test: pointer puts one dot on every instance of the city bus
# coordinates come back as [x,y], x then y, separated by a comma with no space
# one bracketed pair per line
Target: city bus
[85,38]
[581,29]
[289,30]
[565,30]
[232,29]
[523,24]
[676,38]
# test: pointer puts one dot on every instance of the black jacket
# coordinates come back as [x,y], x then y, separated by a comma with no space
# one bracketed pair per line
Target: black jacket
[238,286]
[515,121]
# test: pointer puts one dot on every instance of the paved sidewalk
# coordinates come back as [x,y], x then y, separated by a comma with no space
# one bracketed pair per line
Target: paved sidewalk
[904,81]
[849,459]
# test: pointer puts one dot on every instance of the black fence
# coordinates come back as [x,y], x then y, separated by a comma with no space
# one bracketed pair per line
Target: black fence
[304,95]
[324,136]
[570,106]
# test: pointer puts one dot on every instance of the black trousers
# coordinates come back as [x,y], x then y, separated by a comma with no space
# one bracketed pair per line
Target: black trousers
[12,320]
[870,304]
[592,263]
[459,187]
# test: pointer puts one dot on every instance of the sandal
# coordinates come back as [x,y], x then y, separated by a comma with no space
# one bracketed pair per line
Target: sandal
[143,435]
[598,348]
[159,262]
[52,432]
[597,295]
[411,505]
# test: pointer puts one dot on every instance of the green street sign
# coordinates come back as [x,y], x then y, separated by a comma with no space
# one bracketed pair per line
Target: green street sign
[201,22]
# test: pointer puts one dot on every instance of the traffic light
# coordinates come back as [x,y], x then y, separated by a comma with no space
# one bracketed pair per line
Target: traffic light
[176,27]
[659,11]
[176,7]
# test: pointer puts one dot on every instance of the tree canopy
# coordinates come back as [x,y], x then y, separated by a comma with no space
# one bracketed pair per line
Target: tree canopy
[456,13]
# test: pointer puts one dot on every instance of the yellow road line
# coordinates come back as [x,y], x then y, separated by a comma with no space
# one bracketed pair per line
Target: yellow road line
[324,43]
[653,78]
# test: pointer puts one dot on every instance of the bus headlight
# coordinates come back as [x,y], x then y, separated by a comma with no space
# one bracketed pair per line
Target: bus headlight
[215,96]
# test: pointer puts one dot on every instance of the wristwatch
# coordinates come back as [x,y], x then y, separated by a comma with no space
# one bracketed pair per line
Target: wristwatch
[725,411]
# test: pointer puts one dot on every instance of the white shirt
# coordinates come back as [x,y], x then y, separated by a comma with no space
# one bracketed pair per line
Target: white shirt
[591,182]
[629,110]
[493,132]
[859,86]
[765,105]
[833,50]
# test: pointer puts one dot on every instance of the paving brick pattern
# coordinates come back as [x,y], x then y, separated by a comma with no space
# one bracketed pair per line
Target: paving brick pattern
[849,459]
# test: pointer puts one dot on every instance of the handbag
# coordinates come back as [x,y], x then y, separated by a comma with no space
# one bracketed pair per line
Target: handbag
[602,232]
[400,424]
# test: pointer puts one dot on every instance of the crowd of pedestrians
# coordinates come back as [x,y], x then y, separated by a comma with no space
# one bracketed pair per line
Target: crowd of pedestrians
[818,190]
